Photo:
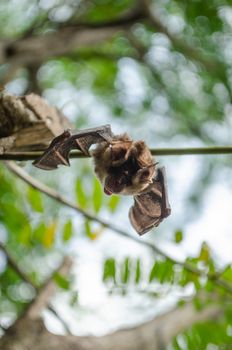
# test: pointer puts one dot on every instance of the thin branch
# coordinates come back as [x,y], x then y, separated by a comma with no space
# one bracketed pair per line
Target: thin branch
[13,264]
[55,195]
[62,321]
[24,155]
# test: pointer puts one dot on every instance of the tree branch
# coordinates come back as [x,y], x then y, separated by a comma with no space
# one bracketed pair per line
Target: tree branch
[27,155]
[36,49]
[227,286]
[155,334]
[12,263]
[31,49]
[28,122]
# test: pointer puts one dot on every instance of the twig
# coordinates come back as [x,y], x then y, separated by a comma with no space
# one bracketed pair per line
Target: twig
[55,195]
[13,264]
[55,313]
[24,155]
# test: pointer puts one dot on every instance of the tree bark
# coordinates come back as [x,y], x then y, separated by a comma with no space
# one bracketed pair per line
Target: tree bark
[34,49]
[153,335]
[28,123]
[37,49]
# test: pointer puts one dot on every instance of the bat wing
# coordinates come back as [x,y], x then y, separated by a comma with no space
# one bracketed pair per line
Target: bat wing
[152,207]
[59,149]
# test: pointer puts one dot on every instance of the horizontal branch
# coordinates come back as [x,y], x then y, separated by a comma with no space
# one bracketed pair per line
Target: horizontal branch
[37,49]
[154,151]
[56,195]
[155,334]
[33,50]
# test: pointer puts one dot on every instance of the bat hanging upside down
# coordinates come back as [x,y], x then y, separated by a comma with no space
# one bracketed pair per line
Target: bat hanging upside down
[123,166]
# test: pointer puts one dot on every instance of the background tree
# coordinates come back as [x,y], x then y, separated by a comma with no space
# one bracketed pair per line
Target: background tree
[161,71]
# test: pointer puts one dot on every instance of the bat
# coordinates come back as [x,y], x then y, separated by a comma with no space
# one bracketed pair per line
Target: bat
[123,166]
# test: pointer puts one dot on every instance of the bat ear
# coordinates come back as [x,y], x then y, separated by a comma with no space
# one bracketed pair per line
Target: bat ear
[145,174]
[142,154]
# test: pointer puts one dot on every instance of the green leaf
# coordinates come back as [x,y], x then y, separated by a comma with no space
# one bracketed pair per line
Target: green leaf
[24,234]
[35,199]
[187,277]
[227,273]
[88,230]
[97,195]
[113,203]
[152,275]
[162,271]
[61,281]
[49,235]
[67,231]
[38,232]
[125,271]
[204,253]
[138,271]
[178,236]
[80,194]
[109,273]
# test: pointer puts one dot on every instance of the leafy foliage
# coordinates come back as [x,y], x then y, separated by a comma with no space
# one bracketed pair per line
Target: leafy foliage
[197,337]
[167,80]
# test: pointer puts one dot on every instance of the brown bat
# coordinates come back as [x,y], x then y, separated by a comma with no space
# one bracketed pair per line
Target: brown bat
[123,166]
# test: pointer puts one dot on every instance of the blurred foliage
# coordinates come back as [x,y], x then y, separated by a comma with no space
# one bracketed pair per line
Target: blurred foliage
[61,281]
[120,274]
[168,83]
[165,277]
[214,335]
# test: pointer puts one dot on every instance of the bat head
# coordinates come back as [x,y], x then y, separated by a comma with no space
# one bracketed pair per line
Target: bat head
[124,182]
[124,167]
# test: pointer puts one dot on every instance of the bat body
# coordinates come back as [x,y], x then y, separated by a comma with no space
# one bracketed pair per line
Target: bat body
[123,166]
